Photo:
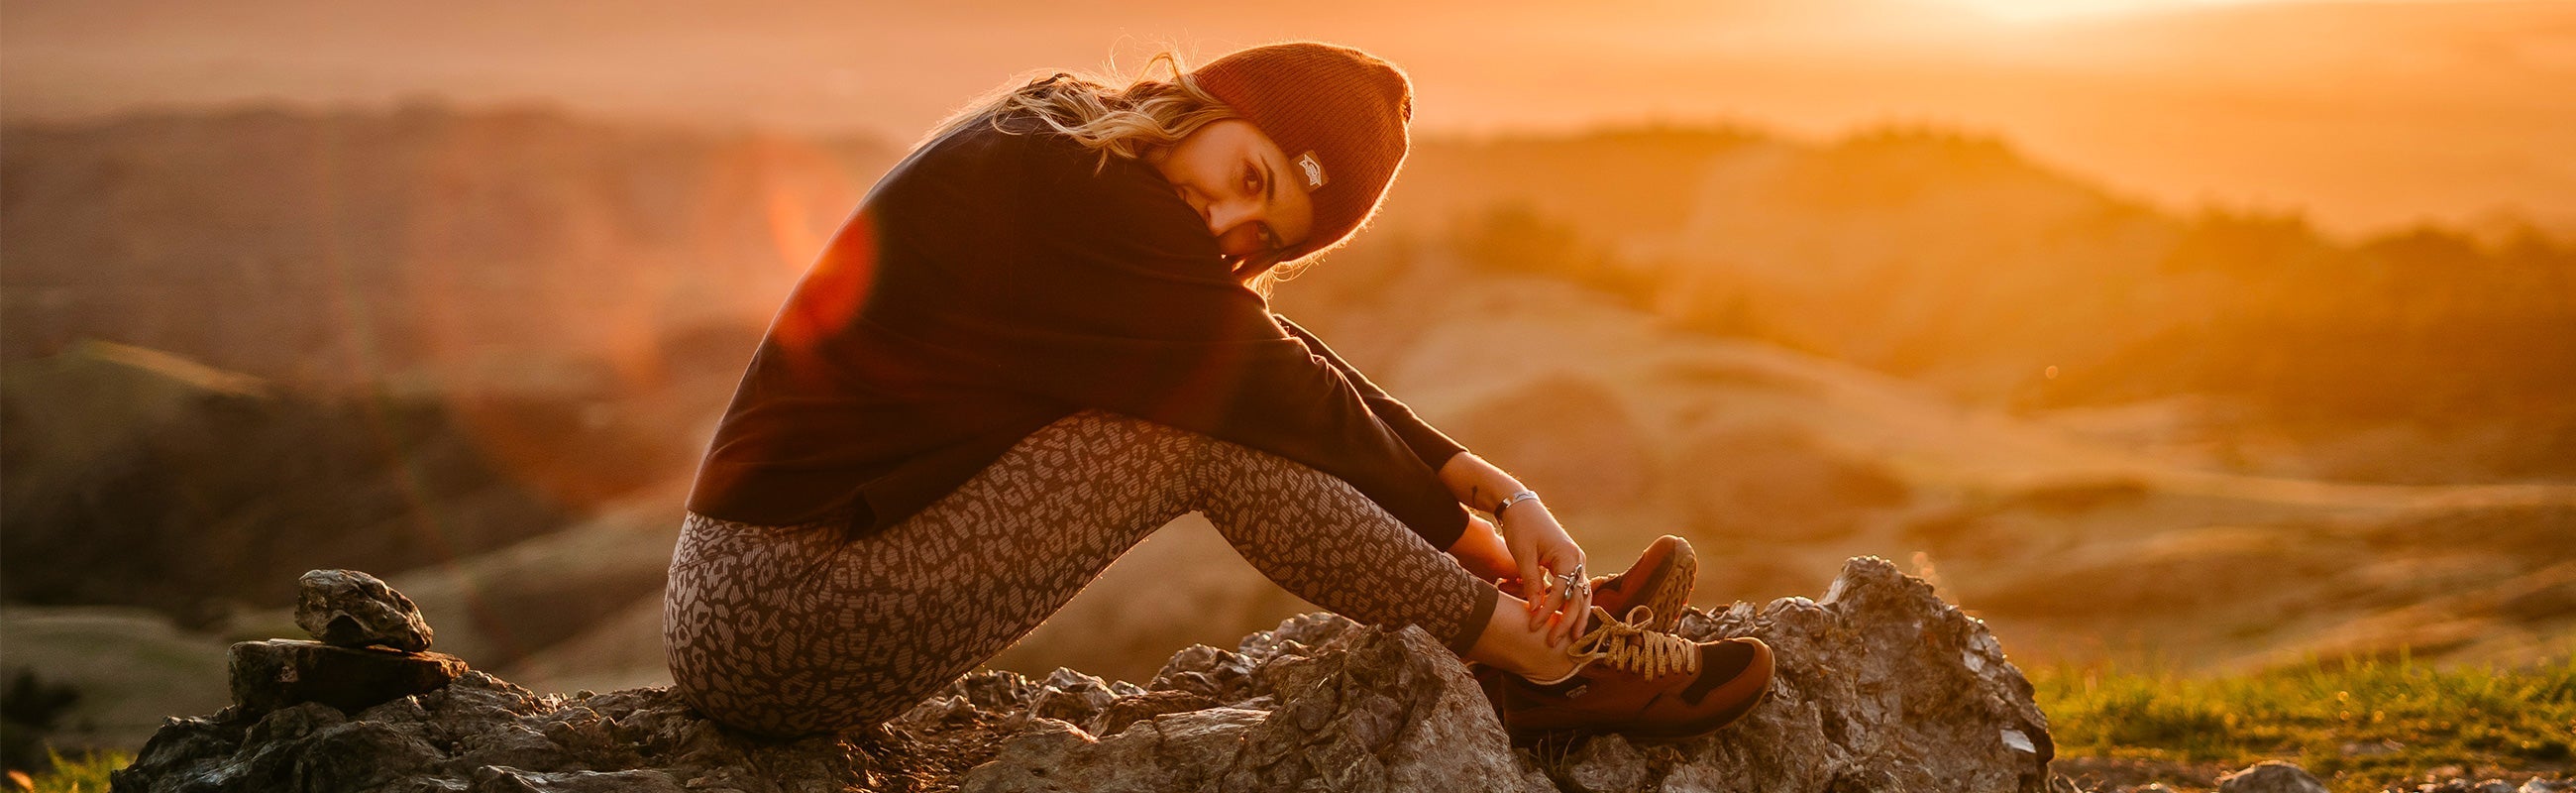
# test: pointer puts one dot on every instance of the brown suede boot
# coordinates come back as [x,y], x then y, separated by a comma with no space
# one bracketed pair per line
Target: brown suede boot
[1661,580]
[1642,684]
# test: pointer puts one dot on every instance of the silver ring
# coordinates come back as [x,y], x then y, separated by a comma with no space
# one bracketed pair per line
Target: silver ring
[1573,582]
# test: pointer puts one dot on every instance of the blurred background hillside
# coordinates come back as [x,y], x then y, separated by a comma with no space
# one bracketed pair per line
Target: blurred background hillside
[2209,336]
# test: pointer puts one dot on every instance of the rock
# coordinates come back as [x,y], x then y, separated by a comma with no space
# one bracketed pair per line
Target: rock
[448,740]
[1368,710]
[1072,696]
[347,608]
[273,674]
[2271,776]
[2486,786]
[1880,687]
[1127,710]
[1608,764]
[503,779]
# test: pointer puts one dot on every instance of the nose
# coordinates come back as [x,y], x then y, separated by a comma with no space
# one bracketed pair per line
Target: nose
[1224,216]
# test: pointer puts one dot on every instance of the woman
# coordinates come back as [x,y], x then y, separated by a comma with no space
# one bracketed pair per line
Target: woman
[1044,334]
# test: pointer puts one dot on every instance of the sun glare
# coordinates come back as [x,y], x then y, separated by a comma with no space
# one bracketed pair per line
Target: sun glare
[2041,10]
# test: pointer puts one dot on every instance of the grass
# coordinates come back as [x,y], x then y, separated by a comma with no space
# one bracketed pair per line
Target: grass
[2358,724]
[86,773]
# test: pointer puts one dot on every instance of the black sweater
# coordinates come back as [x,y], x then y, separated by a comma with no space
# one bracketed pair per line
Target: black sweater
[992,283]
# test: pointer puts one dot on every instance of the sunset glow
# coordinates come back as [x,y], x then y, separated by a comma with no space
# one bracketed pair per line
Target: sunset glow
[720,378]
[2030,10]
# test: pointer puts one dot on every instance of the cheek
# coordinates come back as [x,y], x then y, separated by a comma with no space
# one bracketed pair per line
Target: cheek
[1240,241]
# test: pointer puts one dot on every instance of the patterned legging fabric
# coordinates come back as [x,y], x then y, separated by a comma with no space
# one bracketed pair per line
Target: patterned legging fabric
[788,630]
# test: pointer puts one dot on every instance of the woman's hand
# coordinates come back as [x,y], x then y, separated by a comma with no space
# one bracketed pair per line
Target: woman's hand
[1534,549]
[1481,550]
[1543,551]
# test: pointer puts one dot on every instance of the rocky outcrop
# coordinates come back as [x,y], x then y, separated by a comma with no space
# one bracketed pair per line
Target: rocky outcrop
[1880,687]
[347,608]
[2271,777]
[277,673]
[1319,701]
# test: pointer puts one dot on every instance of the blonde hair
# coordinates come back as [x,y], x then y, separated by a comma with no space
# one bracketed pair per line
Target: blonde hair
[1145,117]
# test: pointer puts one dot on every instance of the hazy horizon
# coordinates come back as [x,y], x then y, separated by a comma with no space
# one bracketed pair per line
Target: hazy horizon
[2320,108]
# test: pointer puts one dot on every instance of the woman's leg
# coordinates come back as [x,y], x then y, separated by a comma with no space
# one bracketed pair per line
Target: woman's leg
[790,631]
[784,631]
[1324,541]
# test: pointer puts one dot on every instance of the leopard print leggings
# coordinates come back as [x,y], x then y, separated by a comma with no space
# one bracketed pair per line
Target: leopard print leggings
[787,630]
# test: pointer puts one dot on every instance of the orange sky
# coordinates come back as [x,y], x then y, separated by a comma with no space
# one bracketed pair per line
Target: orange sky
[2365,114]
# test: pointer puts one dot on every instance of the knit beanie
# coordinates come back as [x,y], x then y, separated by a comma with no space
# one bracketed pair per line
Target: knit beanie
[1339,114]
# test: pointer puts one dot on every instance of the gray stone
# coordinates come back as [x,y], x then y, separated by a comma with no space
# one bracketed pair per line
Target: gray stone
[348,608]
[277,673]
[502,779]
[1369,710]
[2271,776]
[1606,764]
[1880,687]
[1127,710]
[1072,696]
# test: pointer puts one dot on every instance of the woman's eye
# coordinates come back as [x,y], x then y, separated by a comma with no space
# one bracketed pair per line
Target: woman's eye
[1251,180]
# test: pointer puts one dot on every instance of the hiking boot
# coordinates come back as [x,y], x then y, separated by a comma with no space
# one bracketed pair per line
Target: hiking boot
[1660,580]
[1646,685]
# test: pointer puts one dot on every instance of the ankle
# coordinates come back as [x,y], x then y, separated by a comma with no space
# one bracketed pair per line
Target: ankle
[1550,669]
[1508,643]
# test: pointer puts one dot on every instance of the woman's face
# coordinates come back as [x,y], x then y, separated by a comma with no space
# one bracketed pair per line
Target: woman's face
[1242,185]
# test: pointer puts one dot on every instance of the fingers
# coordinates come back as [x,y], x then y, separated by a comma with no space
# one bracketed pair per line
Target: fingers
[1572,603]
[1534,581]
[1551,598]
[1571,619]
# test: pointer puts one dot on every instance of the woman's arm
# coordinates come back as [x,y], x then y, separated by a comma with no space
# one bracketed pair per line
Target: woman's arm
[1102,288]
[1536,546]
[1430,444]
[1478,484]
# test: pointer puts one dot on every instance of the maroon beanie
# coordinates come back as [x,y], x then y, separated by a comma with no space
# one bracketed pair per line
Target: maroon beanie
[1339,114]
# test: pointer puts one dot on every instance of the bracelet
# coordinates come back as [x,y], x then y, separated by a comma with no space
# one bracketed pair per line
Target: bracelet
[1514,499]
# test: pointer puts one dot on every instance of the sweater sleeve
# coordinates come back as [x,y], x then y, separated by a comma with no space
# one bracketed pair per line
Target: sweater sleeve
[1434,447]
[1124,304]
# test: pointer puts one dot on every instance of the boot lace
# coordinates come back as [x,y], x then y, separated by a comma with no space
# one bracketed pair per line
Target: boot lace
[1626,645]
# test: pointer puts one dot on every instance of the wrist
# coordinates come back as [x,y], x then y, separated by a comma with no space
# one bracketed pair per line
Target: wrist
[1523,499]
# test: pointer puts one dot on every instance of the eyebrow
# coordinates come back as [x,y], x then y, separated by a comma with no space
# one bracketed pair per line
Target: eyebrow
[1269,183]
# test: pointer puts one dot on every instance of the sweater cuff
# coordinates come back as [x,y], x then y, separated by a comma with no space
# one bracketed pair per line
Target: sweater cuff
[1487,597]
[1445,531]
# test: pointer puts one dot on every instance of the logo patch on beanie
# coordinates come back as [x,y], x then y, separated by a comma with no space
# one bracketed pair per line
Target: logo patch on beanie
[1313,169]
